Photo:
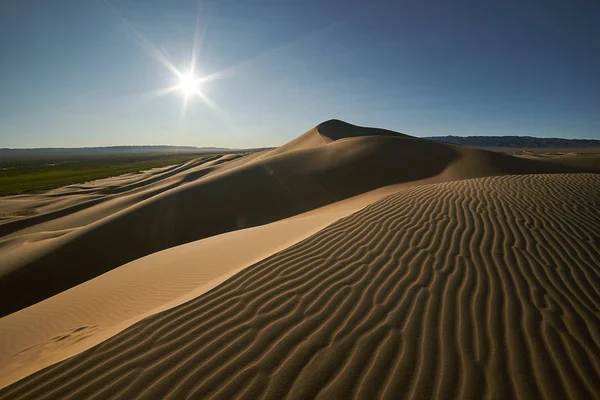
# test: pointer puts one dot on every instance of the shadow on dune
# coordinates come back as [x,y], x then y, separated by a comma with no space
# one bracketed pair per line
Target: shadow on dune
[16,225]
[355,160]
[334,129]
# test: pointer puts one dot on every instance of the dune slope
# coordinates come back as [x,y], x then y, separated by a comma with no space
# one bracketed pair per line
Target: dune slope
[329,163]
[55,204]
[486,287]
[89,313]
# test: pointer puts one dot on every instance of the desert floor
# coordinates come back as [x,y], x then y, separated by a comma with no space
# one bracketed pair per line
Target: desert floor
[348,263]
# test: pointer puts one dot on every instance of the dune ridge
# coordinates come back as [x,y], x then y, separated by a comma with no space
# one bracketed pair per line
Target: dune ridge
[486,287]
[329,163]
[59,327]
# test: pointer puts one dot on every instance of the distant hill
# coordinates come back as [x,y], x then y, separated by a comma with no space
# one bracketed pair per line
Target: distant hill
[515,141]
[113,149]
[104,152]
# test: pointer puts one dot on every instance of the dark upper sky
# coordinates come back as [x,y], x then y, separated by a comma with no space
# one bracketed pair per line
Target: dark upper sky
[92,72]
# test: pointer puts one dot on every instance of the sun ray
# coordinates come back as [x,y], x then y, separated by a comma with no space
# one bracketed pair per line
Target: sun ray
[211,77]
[198,40]
[184,107]
[145,44]
[189,83]
[211,104]
[165,91]
[256,60]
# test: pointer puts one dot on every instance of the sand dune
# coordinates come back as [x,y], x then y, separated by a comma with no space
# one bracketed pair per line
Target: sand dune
[85,315]
[485,287]
[118,191]
[334,161]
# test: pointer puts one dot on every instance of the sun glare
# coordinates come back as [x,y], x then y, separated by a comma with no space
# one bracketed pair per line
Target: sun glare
[188,84]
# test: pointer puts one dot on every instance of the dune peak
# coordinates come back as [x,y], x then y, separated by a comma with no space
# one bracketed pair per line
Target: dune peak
[334,123]
[335,129]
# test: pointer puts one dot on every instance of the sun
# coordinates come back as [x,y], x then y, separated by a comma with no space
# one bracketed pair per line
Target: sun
[188,84]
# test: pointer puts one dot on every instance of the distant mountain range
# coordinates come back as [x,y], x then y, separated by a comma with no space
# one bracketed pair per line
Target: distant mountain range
[475,141]
[515,141]
[50,154]
[115,149]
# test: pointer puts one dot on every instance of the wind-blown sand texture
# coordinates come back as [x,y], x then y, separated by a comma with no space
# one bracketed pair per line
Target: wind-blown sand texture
[329,163]
[469,274]
[485,287]
[87,314]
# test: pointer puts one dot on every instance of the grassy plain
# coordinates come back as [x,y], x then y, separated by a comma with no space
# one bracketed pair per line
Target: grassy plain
[38,174]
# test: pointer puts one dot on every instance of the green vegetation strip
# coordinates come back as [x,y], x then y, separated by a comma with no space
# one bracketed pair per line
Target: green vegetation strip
[56,176]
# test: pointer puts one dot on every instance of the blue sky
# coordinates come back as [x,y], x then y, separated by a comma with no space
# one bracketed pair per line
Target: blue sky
[86,72]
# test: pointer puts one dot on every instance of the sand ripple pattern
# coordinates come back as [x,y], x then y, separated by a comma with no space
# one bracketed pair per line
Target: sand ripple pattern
[483,288]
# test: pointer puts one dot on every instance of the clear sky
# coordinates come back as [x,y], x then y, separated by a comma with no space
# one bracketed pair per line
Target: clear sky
[89,72]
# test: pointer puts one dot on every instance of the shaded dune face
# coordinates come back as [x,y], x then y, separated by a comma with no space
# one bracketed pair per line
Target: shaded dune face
[481,288]
[274,188]
[332,162]
[111,191]
[334,129]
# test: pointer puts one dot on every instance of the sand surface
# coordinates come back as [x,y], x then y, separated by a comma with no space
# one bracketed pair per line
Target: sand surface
[584,158]
[85,315]
[348,263]
[52,252]
[486,287]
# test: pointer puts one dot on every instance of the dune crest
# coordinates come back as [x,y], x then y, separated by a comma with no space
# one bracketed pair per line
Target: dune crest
[329,163]
[485,287]
[328,132]
[43,334]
